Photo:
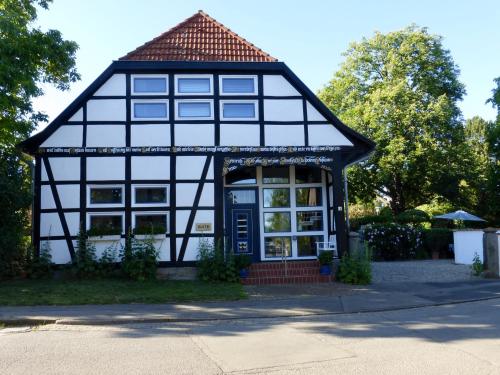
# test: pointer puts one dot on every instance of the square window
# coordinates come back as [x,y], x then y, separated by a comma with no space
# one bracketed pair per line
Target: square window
[194,85]
[307,245]
[153,85]
[275,175]
[308,197]
[239,110]
[150,110]
[150,224]
[308,221]
[238,85]
[151,195]
[276,222]
[276,197]
[277,246]
[105,225]
[307,175]
[106,195]
[194,109]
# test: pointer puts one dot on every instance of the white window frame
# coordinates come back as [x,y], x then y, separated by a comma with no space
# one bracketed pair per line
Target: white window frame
[194,76]
[105,205]
[133,76]
[150,101]
[255,85]
[178,101]
[111,213]
[221,110]
[134,188]
[165,213]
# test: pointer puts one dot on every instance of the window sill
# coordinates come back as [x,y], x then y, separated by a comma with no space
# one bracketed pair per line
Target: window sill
[145,236]
[111,237]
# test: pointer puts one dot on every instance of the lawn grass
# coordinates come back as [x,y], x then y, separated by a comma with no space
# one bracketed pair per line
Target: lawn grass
[109,291]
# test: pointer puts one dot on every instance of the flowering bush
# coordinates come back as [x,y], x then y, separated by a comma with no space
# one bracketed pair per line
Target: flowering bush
[393,241]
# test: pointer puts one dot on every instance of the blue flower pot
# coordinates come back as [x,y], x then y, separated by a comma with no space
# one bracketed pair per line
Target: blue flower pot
[325,270]
[244,273]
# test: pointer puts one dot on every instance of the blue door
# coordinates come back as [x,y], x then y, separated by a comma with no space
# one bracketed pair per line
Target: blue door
[242,221]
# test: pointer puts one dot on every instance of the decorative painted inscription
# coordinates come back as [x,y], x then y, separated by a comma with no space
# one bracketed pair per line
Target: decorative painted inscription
[231,164]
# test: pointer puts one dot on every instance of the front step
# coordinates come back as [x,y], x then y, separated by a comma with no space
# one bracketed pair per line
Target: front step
[297,272]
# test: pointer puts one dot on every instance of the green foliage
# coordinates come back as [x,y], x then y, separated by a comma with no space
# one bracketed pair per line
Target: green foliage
[153,229]
[413,216]
[108,261]
[84,264]
[212,263]
[436,206]
[356,223]
[325,258]
[41,266]
[242,261]
[355,269]
[477,266]
[104,231]
[393,241]
[401,89]
[139,258]
[437,240]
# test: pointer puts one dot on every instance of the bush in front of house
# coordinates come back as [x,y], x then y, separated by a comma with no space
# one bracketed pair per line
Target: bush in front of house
[356,223]
[393,241]
[139,258]
[355,268]
[84,264]
[41,266]
[436,240]
[213,264]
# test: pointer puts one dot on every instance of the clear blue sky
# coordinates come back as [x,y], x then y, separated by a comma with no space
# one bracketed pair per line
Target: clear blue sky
[309,36]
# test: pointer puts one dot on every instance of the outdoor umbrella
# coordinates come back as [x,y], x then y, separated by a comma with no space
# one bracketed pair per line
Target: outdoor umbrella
[459,215]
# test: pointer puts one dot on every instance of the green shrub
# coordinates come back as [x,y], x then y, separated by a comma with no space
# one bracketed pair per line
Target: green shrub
[212,263]
[356,223]
[153,229]
[393,241]
[242,261]
[413,216]
[107,263]
[139,258]
[41,266]
[84,264]
[355,269]
[437,240]
[477,266]
[325,258]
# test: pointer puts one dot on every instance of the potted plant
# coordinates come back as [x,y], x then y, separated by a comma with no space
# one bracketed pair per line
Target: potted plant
[243,262]
[325,259]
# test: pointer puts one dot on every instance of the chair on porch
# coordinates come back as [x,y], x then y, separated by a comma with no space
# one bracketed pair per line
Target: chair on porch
[330,245]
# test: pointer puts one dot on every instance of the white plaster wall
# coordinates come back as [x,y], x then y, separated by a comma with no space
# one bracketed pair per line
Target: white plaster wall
[63,169]
[284,135]
[313,114]
[59,251]
[194,135]
[65,136]
[106,168]
[189,167]
[326,135]
[277,85]
[46,197]
[239,135]
[185,194]
[68,194]
[78,116]
[191,248]
[283,110]
[106,110]
[150,135]
[115,85]
[150,167]
[466,243]
[115,245]
[105,135]
[50,225]
[201,216]
[73,222]
[207,195]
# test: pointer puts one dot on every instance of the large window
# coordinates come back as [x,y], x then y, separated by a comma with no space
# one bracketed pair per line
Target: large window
[238,85]
[308,197]
[194,85]
[243,176]
[150,195]
[150,110]
[143,85]
[194,109]
[307,175]
[277,222]
[279,197]
[105,224]
[306,245]
[275,175]
[238,110]
[150,223]
[277,247]
[309,221]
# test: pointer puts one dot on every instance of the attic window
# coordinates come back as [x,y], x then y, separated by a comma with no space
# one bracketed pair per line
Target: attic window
[194,109]
[239,110]
[149,84]
[150,109]
[193,85]
[238,85]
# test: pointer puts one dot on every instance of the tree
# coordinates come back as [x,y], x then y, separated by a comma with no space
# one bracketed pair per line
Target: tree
[401,90]
[28,58]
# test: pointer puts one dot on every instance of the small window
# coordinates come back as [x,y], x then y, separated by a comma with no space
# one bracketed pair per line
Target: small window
[150,224]
[106,195]
[150,110]
[194,109]
[275,175]
[150,85]
[307,245]
[239,110]
[241,196]
[150,195]
[186,85]
[243,176]
[308,197]
[105,225]
[276,198]
[307,175]
[277,246]
[277,222]
[308,221]
[238,85]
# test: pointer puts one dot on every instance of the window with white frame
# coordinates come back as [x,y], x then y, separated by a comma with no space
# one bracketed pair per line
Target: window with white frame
[150,223]
[105,224]
[238,110]
[150,195]
[189,84]
[194,109]
[149,84]
[105,196]
[238,85]
[149,109]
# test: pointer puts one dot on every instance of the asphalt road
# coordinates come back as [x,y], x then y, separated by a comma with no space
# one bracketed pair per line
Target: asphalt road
[451,339]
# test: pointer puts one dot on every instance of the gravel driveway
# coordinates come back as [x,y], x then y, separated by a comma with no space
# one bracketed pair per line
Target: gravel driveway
[420,271]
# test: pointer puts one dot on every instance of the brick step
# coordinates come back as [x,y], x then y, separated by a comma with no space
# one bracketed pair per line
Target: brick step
[280,273]
[287,280]
[289,264]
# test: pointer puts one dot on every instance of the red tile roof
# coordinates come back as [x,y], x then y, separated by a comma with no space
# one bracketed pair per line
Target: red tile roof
[199,38]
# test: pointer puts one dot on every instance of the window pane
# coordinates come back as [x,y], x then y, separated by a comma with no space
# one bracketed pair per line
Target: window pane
[238,85]
[150,224]
[307,245]
[238,110]
[194,109]
[278,246]
[308,197]
[306,175]
[105,195]
[275,175]
[242,196]
[277,222]
[153,85]
[309,221]
[276,197]
[106,224]
[193,85]
[150,110]
[151,195]
[242,176]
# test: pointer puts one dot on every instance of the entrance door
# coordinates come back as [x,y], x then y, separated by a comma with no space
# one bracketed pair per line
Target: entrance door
[242,221]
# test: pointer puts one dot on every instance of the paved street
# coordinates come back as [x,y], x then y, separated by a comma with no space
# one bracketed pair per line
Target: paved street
[450,339]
